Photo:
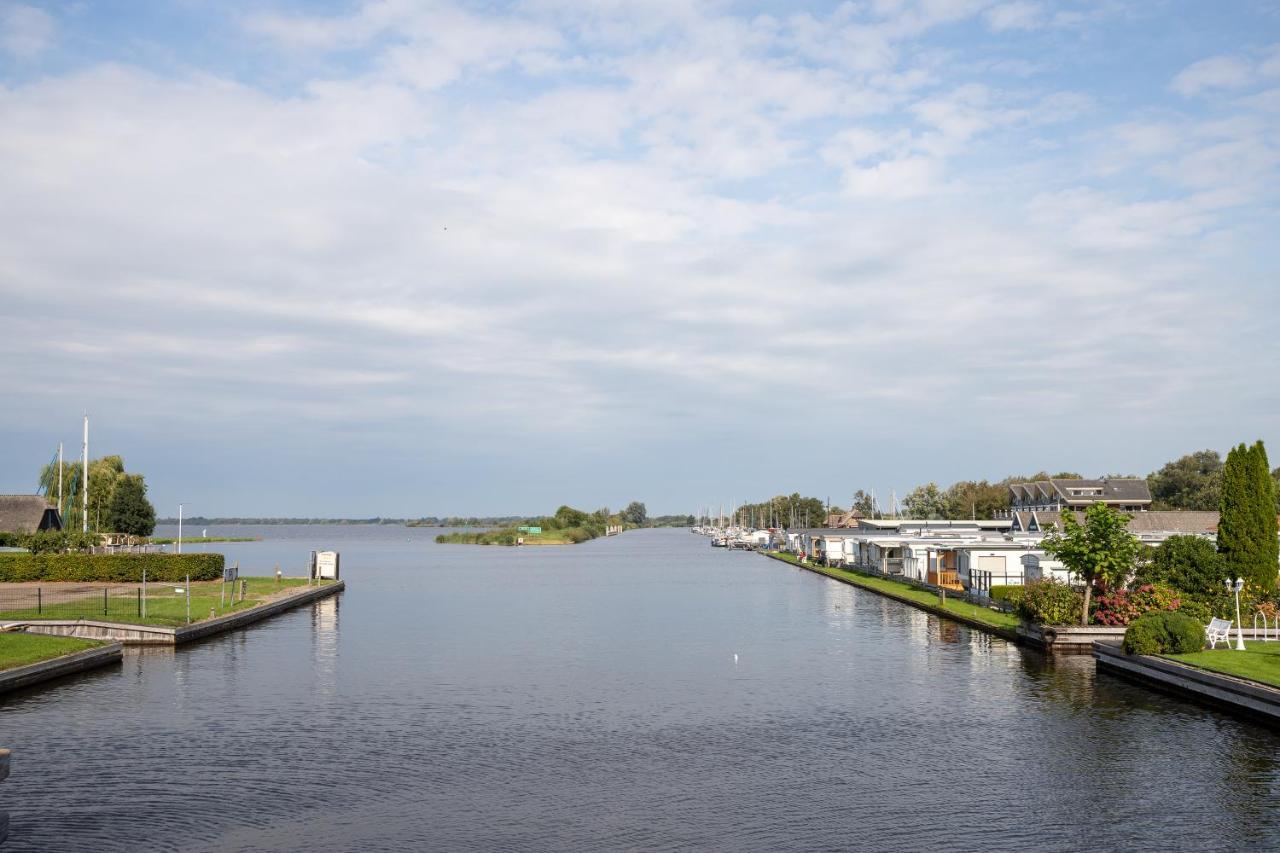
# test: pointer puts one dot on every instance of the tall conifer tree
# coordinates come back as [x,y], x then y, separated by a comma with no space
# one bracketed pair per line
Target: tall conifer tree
[1247,526]
[1268,564]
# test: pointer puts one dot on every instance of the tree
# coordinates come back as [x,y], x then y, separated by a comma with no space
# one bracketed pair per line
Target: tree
[925,501]
[1102,550]
[635,513]
[980,499]
[130,511]
[103,473]
[1247,522]
[1191,482]
[1189,564]
[567,516]
[864,504]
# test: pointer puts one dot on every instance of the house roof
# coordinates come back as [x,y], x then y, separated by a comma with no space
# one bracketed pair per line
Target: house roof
[1174,521]
[22,513]
[1151,521]
[1127,490]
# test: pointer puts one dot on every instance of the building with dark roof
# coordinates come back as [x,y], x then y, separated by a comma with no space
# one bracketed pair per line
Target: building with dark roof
[1126,495]
[27,514]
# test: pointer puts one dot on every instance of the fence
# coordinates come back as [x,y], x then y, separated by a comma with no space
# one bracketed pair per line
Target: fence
[71,601]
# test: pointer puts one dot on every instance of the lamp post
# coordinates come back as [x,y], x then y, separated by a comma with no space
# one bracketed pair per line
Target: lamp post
[1236,586]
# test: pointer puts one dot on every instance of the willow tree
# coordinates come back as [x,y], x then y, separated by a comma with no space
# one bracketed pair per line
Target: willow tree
[1101,550]
[103,476]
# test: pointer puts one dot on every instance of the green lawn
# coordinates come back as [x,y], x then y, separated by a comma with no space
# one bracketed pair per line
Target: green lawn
[17,649]
[1258,662]
[929,600]
[164,606]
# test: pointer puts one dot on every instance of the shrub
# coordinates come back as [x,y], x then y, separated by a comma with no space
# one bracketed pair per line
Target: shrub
[1122,606]
[1011,594]
[1190,564]
[58,541]
[1164,632]
[11,540]
[109,568]
[1050,602]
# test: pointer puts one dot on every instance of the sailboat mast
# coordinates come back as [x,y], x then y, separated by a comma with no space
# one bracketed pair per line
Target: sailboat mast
[84,461]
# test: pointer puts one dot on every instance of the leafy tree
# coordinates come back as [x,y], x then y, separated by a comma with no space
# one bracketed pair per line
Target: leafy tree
[925,501]
[975,499]
[567,516]
[103,473]
[130,511]
[1189,564]
[864,503]
[1247,525]
[1101,550]
[636,513]
[1191,482]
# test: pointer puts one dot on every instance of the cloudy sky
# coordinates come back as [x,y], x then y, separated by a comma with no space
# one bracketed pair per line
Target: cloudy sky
[411,258]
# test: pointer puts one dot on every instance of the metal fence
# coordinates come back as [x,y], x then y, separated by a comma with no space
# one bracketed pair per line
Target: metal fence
[71,601]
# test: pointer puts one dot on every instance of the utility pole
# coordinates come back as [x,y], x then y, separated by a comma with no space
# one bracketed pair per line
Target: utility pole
[59,480]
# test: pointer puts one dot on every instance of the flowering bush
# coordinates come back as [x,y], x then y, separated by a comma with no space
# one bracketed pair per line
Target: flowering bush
[1122,606]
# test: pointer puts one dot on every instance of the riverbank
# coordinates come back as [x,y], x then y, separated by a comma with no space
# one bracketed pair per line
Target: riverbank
[19,649]
[134,633]
[1243,697]
[984,618]
[1259,662]
[164,604]
[33,658]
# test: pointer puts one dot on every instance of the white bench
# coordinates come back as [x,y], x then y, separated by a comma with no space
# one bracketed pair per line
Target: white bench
[1218,630]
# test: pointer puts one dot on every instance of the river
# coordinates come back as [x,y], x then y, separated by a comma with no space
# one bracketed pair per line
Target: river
[643,692]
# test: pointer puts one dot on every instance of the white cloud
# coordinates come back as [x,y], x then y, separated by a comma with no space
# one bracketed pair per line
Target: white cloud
[25,31]
[559,223]
[1015,16]
[1220,72]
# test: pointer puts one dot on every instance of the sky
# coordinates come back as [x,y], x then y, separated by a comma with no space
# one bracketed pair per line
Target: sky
[425,258]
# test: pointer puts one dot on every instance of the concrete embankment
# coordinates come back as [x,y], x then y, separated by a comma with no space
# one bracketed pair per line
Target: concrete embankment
[937,610]
[19,677]
[1237,696]
[159,635]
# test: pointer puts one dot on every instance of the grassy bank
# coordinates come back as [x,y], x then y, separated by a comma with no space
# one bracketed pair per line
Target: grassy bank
[510,536]
[164,605]
[1004,624]
[18,649]
[1259,662]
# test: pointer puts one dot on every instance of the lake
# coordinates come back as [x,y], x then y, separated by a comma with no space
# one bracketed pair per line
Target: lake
[643,692]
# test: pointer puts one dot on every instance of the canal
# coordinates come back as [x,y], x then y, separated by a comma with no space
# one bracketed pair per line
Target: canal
[645,692]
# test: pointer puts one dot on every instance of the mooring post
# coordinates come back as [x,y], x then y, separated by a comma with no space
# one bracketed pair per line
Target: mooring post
[104,601]
[39,602]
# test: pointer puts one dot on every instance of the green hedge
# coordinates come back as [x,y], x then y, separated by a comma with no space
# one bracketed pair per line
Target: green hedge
[109,568]
[1163,632]
[1010,593]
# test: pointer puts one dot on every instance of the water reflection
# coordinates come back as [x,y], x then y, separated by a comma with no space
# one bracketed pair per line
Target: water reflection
[586,698]
[324,643]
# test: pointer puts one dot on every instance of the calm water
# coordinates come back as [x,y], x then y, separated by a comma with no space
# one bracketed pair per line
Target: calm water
[460,698]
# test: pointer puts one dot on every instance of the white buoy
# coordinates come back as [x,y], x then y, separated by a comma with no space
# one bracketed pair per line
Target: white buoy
[735,658]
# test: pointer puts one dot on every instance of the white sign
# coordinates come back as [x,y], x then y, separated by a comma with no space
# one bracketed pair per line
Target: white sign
[327,565]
